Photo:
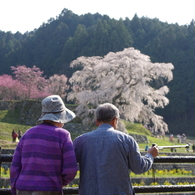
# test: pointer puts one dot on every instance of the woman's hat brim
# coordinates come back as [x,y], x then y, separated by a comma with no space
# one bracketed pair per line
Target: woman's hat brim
[60,117]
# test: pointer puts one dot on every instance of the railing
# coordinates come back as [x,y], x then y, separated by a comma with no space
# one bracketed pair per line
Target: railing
[138,189]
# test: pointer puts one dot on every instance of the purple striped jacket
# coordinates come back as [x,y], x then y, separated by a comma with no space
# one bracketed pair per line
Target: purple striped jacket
[44,160]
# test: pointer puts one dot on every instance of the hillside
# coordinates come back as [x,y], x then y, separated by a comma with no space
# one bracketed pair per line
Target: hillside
[9,121]
[59,41]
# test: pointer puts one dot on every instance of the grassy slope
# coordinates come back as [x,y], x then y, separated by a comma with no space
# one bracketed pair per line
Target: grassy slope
[8,122]
[139,129]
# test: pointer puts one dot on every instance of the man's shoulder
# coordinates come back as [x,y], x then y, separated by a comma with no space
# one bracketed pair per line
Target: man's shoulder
[121,133]
[124,135]
[88,134]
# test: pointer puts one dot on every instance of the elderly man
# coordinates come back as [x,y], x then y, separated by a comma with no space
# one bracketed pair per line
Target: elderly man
[106,156]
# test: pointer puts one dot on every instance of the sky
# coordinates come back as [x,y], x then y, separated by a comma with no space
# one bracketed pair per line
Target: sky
[27,15]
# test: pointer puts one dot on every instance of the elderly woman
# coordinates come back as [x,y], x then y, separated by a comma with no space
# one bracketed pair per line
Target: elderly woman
[44,159]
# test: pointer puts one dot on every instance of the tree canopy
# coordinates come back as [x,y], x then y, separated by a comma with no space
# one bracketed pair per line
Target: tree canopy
[28,83]
[126,79]
[31,79]
[53,45]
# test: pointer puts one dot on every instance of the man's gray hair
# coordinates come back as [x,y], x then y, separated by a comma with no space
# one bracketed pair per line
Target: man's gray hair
[106,112]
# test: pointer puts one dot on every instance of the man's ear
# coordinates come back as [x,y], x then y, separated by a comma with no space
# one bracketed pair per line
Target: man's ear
[97,123]
[112,122]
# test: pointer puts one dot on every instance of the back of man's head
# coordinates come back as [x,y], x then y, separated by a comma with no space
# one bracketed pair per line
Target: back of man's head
[106,112]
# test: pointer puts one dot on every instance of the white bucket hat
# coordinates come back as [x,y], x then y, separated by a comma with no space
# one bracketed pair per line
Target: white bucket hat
[53,109]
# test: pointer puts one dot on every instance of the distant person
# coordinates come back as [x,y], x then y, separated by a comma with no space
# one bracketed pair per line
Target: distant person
[171,137]
[183,138]
[19,134]
[188,148]
[44,159]
[193,148]
[106,156]
[173,149]
[14,136]
[146,148]
[178,138]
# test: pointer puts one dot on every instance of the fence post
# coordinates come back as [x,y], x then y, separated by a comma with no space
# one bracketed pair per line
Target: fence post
[153,173]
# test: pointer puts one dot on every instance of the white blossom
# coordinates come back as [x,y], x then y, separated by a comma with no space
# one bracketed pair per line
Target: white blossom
[128,79]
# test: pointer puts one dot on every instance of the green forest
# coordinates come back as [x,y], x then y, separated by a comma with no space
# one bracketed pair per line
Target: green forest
[61,40]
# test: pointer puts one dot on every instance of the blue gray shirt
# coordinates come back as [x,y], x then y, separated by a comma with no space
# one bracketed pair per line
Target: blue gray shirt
[106,156]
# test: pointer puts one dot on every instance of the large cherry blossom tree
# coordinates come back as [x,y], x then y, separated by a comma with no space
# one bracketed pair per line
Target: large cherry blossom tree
[58,85]
[129,80]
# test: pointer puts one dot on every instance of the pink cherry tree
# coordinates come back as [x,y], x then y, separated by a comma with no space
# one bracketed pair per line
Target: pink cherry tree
[11,89]
[34,84]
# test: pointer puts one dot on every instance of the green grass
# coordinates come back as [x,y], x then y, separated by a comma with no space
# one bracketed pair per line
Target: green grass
[9,121]
[6,130]
[136,128]
[9,116]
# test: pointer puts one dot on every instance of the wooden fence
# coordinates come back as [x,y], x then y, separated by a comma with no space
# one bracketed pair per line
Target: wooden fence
[138,189]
